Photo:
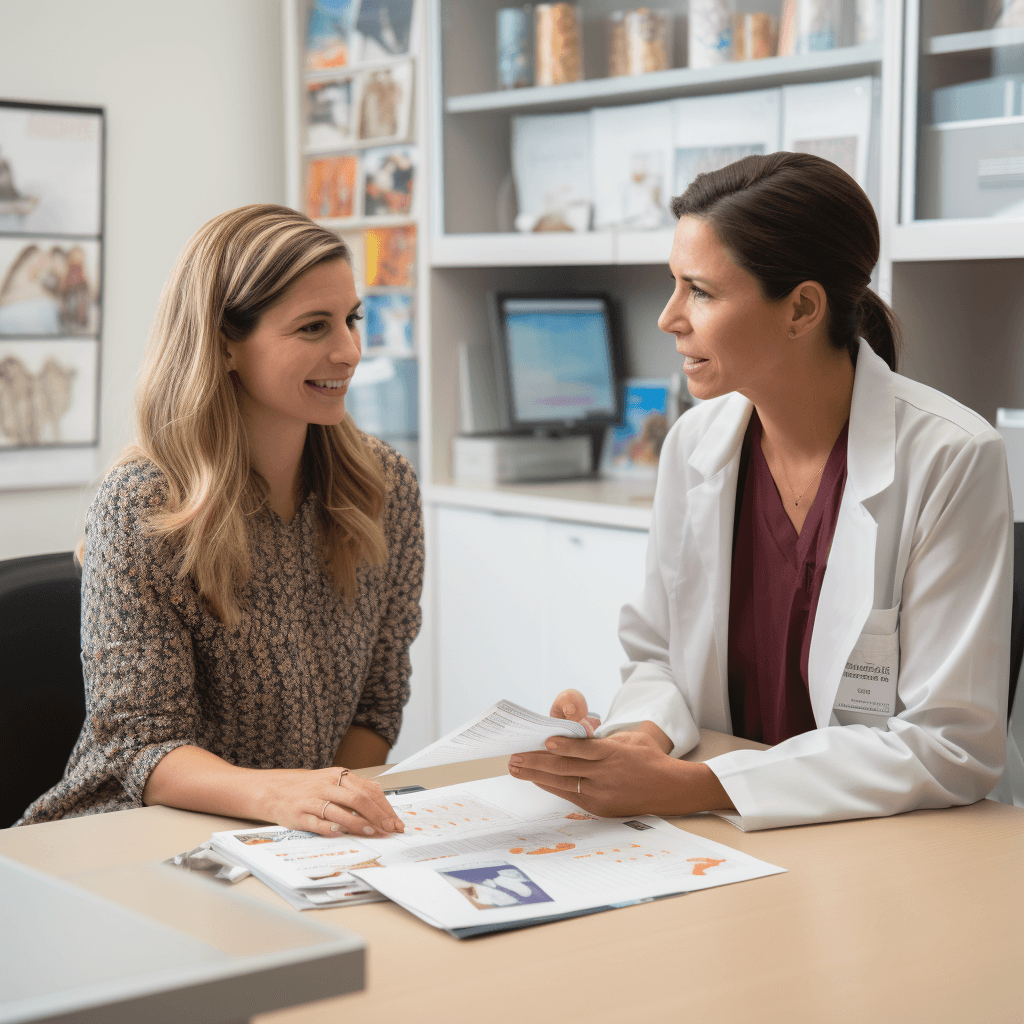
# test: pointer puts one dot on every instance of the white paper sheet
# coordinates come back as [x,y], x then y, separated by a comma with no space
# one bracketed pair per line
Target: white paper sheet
[511,854]
[503,729]
[710,132]
[835,120]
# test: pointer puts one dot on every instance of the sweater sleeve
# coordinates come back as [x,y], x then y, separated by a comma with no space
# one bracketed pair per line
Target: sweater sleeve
[136,652]
[386,688]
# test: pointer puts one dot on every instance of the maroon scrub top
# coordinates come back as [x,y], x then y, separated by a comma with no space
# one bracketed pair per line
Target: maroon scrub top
[776,581]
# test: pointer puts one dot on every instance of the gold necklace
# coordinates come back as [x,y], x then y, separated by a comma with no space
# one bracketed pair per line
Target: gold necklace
[789,484]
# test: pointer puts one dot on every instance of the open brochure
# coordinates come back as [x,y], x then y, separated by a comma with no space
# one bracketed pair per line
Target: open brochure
[503,729]
[495,855]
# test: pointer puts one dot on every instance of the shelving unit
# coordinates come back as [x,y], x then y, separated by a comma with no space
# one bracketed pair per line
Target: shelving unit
[967,42]
[847,62]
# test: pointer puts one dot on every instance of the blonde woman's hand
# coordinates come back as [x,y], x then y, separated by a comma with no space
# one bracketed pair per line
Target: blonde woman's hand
[329,802]
[572,705]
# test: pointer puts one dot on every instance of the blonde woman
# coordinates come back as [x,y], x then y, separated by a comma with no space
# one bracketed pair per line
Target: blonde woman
[252,565]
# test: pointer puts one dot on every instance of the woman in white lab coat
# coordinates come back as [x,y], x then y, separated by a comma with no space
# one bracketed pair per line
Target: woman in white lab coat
[830,559]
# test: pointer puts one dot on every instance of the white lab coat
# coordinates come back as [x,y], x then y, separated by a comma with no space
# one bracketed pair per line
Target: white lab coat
[921,565]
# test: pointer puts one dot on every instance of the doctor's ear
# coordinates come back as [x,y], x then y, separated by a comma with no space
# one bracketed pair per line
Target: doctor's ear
[807,304]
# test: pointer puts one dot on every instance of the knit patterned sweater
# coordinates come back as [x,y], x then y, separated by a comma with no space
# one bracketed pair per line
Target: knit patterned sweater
[278,690]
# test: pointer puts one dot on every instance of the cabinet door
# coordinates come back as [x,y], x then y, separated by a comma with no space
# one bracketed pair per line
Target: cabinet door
[490,612]
[591,572]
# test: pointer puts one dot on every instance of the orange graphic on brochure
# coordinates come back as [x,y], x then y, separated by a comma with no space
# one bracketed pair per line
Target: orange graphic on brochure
[701,864]
[557,848]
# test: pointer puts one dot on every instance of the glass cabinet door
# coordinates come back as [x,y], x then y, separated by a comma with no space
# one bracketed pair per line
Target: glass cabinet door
[965,70]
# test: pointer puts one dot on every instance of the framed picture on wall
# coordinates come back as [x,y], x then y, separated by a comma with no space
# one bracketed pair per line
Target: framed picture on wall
[389,175]
[51,292]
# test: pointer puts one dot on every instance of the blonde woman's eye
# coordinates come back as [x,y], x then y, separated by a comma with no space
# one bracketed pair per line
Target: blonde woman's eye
[698,293]
[353,319]
[317,327]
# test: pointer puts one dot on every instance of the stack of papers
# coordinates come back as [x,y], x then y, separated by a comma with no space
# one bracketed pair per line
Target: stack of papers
[490,856]
[307,870]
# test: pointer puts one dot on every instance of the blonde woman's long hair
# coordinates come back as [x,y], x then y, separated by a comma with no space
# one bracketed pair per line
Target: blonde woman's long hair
[188,423]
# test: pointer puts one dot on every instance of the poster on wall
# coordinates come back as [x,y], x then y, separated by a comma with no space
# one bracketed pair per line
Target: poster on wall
[51,279]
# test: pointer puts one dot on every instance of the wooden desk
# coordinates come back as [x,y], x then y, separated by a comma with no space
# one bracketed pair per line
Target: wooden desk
[915,918]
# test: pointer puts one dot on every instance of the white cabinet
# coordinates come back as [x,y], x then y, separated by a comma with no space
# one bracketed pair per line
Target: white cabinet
[528,606]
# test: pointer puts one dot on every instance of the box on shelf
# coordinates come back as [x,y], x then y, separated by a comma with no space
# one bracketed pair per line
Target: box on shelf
[972,169]
[508,458]
[1001,96]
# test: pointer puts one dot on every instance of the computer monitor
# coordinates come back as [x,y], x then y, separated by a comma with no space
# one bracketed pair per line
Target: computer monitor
[558,359]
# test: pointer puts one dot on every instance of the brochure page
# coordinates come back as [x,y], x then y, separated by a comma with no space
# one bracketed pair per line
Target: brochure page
[504,728]
[500,853]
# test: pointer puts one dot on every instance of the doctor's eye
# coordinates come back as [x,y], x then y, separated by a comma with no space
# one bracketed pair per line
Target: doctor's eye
[353,318]
[698,293]
[314,327]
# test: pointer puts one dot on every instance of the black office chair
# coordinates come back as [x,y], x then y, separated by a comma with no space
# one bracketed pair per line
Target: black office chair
[1017,622]
[42,696]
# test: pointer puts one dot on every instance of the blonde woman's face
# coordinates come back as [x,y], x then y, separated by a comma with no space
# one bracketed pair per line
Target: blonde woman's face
[296,366]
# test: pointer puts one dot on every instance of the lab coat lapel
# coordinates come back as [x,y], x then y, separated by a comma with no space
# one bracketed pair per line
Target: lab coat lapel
[711,507]
[848,588]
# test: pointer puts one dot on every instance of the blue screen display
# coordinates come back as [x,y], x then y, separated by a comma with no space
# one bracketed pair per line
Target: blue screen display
[560,360]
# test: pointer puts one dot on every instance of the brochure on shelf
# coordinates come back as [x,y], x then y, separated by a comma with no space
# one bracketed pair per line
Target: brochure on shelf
[710,132]
[835,120]
[634,447]
[551,170]
[631,155]
[500,854]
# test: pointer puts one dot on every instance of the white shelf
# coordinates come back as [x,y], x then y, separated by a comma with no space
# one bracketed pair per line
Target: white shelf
[552,248]
[982,239]
[625,504]
[847,61]
[540,249]
[644,247]
[962,42]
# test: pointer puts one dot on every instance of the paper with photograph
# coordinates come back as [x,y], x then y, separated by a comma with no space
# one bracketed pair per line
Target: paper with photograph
[328,34]
[385,103]
[631,157]
[51,169]
[389,175]
[332,188]
[837,121]
[504,728]
[49,287]
[543,859]
[710,132]
[389,320]
[332,113]
[551,170]
[48,393]
[391,257]
[385,28]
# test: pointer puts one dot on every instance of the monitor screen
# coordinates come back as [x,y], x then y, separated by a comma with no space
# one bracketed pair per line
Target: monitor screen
[560,361]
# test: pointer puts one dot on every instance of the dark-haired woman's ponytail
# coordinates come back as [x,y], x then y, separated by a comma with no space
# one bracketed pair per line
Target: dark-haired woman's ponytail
[880,328]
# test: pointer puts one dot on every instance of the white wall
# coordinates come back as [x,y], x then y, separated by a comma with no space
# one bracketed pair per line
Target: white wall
[192,91]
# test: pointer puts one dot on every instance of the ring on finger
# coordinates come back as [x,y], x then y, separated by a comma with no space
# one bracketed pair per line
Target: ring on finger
[344,772]
[323,813]
[579,783]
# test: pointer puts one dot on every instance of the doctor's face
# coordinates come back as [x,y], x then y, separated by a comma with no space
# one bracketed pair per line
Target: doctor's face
[733,338]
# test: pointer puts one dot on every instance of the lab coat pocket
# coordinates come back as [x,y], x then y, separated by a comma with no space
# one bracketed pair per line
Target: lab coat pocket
[868,683]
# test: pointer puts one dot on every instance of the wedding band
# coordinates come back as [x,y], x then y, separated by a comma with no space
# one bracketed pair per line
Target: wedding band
[579,782]
[323,813]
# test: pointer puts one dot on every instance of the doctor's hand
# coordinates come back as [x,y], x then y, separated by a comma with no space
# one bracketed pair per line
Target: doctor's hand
[627,773]
[572,706]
